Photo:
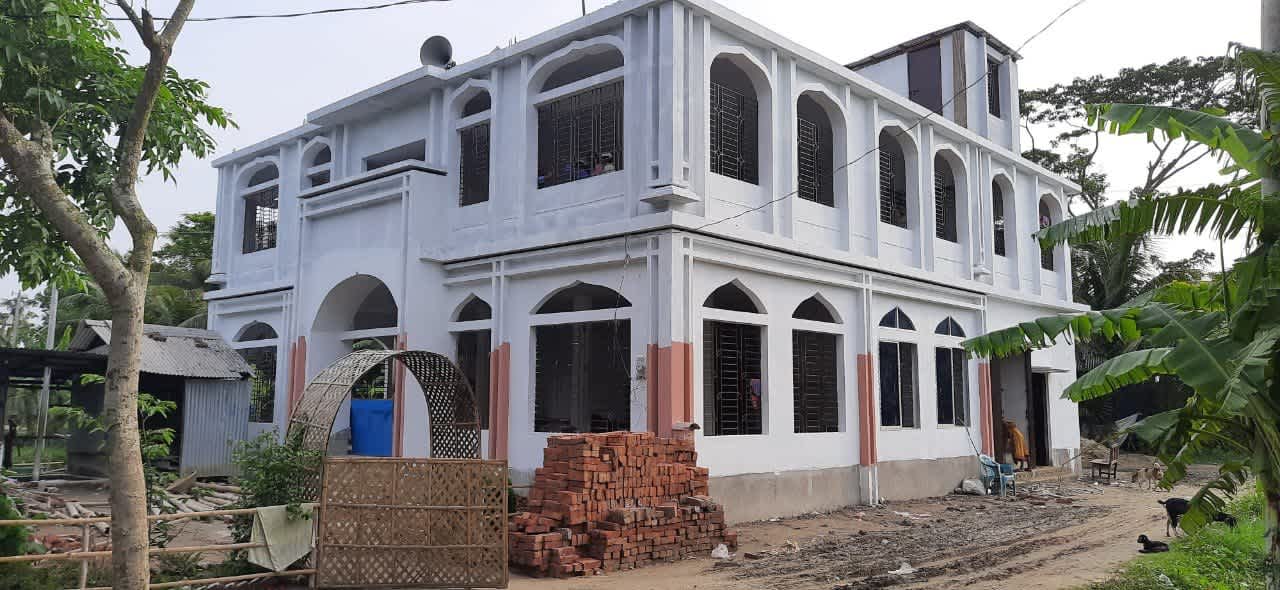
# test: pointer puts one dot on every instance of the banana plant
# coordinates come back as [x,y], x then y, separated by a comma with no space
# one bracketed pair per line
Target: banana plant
[1221,336]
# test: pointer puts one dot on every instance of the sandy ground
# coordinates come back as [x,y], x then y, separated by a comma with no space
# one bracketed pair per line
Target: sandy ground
[1033,542]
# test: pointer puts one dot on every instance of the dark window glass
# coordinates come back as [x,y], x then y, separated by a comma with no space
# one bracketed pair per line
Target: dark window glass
[319,178]
[261,216]
[583,68]
[580,136]
[475,309]
[324,156]
[257,331]
[949,327]
[583,297]
[262,387]
[897,319]
[473,361]
[473,180]
[952,385]
[476,104]
[416,150]
[378,310]
[898,384]
[993,87]
[581,378]
[733,392]
[731,297]
[997,217]
[735,123]
[812,309]
[924,77]
[1046,220]
[893,181]
[944,200]
[815,179]
[815,382]
[264,174]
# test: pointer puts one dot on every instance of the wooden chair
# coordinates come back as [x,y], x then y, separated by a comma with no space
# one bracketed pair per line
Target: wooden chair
[1106,468]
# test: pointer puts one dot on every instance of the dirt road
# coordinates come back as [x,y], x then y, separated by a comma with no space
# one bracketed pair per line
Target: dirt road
[952,542]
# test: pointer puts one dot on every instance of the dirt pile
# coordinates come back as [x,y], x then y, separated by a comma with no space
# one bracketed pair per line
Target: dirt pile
[603,502]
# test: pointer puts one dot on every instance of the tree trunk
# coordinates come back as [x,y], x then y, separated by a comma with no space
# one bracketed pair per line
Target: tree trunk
[129,527]
[1271,512]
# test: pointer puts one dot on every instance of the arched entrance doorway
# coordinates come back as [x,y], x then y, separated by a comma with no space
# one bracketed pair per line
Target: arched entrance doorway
[361,314]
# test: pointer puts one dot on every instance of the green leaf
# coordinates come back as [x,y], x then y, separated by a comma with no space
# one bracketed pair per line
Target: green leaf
[1245,146]
[1219,211]
[1126,369]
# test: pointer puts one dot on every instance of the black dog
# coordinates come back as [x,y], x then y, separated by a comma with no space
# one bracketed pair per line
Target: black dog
[1175,508]
[1224,517]
[1149,546]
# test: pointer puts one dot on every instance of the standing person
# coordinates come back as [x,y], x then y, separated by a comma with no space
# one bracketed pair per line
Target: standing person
[10,438]
[1017,444]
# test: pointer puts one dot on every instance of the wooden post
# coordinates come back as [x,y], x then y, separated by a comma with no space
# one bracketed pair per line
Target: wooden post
[86,543]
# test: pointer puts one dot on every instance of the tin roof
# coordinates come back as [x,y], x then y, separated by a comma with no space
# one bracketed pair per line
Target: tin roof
[168,350]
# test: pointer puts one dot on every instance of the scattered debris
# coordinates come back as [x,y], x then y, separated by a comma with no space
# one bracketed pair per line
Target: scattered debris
[721,552]
[972,487]
[904,570]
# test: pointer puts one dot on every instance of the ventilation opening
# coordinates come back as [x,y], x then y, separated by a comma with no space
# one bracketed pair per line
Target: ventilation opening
[583,68]
[416,150]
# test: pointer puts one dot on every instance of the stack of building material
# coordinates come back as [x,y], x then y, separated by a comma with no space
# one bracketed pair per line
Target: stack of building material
[620,500]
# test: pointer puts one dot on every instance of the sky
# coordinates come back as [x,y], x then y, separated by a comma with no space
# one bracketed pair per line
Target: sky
[270,73]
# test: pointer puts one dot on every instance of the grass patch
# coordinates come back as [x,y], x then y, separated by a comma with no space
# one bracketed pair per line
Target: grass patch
[1215,557]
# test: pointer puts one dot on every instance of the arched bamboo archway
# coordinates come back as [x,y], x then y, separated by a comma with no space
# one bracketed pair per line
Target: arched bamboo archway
[451,405]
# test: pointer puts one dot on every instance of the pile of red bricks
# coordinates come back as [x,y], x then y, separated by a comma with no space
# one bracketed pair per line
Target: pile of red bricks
[603,502]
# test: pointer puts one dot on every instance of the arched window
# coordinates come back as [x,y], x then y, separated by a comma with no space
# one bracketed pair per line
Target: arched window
[814,310]
[997,218]
[949,327]
[944,200]
[583,297]
[378,310]
[1047,219]
[733,353]
[261,209]
[473,354]
[582,377]
[732,297]
[581,135]
[735,122]
[319,165]
[893,181]
[896,318]
[473,151]
[475,309]
[815,152]
[262,386]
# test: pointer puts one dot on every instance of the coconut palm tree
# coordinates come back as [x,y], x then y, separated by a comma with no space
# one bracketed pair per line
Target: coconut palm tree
[1220,337]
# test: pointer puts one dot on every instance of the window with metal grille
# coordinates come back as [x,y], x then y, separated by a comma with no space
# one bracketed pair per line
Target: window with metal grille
[997,218]
[581,377]
[944,200]
[473,361]
[993,86]
[953,395]
[733,392]
[473,178]
[262,387]
[580,136]
[898,384]
[815,180]
[815,382]
[1046,254]
[893,181]
[261,214]
[735,123]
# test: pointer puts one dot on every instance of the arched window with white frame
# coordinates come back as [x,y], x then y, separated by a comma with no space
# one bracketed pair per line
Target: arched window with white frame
[261,197]
[951,373]
[318,164]
[735,121]
[815,152]
[582,351]
[257,344]
[733,389]
[892,182]
[473,146]
[579,108]
[998,219]
[815,368]
[898,381]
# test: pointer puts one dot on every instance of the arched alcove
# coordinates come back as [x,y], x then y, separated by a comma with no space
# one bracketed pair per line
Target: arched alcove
[816,310]
[740,92]
[896,178]
[815,150]
[733,296]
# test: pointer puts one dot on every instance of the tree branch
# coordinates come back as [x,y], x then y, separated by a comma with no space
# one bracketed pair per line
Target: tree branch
[123,196]
[30,160]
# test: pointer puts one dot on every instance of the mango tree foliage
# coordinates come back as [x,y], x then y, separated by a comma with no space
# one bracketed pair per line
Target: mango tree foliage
[1219,337]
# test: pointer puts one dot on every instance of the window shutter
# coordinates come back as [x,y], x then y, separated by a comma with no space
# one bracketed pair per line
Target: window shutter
[807,159]
[944,206]
[890,400]
[942,372]
[474,177]
[959,386]
[907,382]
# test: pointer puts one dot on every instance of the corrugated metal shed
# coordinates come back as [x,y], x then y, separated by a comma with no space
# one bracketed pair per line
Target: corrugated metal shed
[167,350]
[215,418]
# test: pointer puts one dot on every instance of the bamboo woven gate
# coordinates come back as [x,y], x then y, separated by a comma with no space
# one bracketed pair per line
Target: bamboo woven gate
[406,522]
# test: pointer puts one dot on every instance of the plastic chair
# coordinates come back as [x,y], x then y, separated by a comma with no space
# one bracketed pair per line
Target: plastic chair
[996,477]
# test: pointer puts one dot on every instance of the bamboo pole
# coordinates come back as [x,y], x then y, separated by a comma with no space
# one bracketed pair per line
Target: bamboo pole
[224,579]
[150,551]
[107,519]
[86,543]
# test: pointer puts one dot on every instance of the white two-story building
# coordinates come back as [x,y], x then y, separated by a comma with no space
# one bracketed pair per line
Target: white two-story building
[663,212]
